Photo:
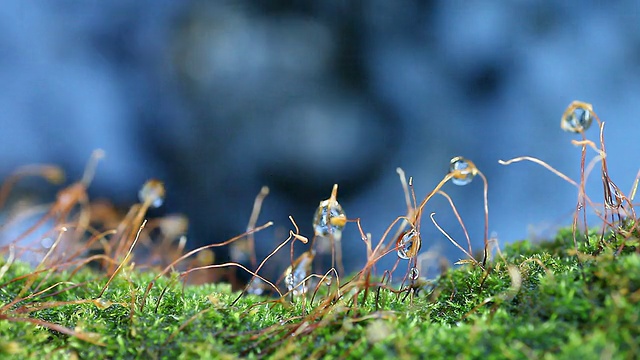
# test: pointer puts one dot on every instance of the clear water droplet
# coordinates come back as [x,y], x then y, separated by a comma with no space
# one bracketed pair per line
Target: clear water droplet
[296,274]
[408,244]
[414,273]
[295,282]
[463,170]
[577,120]
[46,242]
[329,217]
[153,192]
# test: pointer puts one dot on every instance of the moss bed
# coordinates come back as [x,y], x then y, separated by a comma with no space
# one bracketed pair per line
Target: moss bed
[536,301]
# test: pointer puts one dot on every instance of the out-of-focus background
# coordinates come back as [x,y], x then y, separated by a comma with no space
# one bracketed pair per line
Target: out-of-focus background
[219,98]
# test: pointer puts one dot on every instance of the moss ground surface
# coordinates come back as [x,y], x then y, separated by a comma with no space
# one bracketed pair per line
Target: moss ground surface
[539,301]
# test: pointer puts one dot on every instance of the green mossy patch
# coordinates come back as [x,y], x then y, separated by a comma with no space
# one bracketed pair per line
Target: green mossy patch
[537,301]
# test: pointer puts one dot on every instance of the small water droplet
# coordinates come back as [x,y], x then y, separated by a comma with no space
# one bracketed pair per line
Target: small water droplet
[408,244]
[102,304]
[463,170]
[414,273]
[294,281]
[46,242]
[577,119]
[152,191]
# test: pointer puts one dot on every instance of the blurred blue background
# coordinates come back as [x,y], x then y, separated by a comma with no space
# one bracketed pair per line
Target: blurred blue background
[219,98]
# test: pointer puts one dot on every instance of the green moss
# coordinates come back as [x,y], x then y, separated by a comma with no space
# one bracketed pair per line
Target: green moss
[562,306]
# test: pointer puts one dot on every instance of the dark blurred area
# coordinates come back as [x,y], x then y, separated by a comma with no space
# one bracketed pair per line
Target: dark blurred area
[219,98]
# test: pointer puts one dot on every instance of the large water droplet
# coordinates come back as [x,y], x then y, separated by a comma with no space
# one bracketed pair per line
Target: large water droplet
[577,119]
[329,217]
[408,244]
[463,170]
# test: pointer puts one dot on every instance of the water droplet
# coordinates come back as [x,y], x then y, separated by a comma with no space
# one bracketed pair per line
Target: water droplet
[408,244]
[612,195]
[328,280]
[46,242]
[414,273]
[329,217]
[296,274]
[153,192]
[294,281]
[577,118]
[463,170]
[102,304]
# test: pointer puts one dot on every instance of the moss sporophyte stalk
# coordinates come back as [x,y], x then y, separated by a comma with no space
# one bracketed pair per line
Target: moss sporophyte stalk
[87,281]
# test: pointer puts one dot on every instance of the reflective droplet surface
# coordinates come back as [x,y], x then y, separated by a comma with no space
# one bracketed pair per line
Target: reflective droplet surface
[294,281]
[408,244]
[152,192]
[462,170]
[295,275]
[577,118]
[329,218]
[102,304]
[46,242]
[414,273]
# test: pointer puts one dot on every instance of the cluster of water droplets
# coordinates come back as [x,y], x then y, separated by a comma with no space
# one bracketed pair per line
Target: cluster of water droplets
[577,119]
[463,170]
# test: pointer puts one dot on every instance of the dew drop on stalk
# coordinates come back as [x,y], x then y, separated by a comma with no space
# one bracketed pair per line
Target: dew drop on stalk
[297,273]
[46,242]
[414,273]
[152,192]
[462,170]
[577,118]
[294,281]
[102,304]
[329,218]
[408,244]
